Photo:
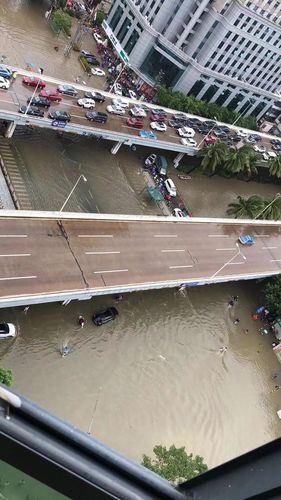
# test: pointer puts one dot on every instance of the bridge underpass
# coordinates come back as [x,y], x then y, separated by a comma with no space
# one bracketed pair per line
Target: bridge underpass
[50,256]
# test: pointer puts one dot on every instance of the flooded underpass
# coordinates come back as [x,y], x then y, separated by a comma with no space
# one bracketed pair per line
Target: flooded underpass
[155,375]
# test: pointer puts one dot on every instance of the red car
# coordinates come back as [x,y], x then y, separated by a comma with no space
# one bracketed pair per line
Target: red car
[158,118]
[211,139]
[52,95]
[32,81]
[135,122]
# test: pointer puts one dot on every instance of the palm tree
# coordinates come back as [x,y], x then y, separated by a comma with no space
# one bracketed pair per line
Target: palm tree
[246,208]
[243,160]
[273,211]
[213,156]
[274,166]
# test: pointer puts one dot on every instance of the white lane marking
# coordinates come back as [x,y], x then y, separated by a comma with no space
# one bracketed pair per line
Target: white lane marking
[13,235]
[100,253]
[165,235]
[16,255]
[112,271]
[261,235]
[218,236]
[268,248]
[166,251]
[179,267]
[222,249]
[19,278]
[275,260]
[95,235]
[235,263]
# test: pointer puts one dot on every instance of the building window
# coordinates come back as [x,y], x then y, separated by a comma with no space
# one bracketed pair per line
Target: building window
[116,18]
[123,30]
[156,64]
[197,87]
[131,42]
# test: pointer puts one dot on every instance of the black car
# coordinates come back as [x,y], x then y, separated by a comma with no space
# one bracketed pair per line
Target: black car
[202,129]
[105,316]
[32,110]
[95,95]
[67,90]
[209,123]
[176,124]
[92,60]
[236,138]
[256,137]
[179,116]
[39,101]
[95,116]
[61,116]
[85,53]
[158,111]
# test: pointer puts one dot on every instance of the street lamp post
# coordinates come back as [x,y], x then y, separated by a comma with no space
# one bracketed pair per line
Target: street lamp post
[33,94]
[278,195]
[229,261]
[80,177]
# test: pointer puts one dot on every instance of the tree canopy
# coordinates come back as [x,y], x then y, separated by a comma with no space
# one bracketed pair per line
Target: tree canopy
[63,20]
[6,377]
[214,156]
[272,293]
[174,464]
[246,208]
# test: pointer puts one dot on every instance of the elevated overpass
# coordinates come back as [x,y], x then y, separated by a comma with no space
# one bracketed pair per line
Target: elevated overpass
[50,256]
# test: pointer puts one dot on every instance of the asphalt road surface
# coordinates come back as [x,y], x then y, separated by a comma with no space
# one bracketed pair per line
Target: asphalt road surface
[17,95]
[48,256]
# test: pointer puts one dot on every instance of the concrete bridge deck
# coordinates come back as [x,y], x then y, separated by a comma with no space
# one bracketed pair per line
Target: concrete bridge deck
[48,257]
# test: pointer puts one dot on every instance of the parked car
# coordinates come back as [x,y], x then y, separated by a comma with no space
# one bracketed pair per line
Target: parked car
[256,137]
[92,61]
[138,112]
[170,187]
[34,81]
[61,116]
[5,72]
[132,94]
[7,330]
[186,132]
[175,124]
[188,142]
[52,95]
[97,72]
[268,155]
[247,240]
[158,111]
[105,316]
[179,116]
[122,103]
[259,148]
[94,116]
[115,110]
[158,118]
[241,133]
[4,83]
[97,96]
[161,127]
[67,90]
[210,139]
[86,103]
[31,110]
[98,38]
[135,122]
[117,89]
[87,54]
[39,101]
[177,212]
[147,134]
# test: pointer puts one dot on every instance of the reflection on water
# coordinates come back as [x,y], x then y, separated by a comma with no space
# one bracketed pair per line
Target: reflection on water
[155,375]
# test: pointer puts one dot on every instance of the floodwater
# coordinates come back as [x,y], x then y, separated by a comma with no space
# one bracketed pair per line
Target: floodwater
[155,375]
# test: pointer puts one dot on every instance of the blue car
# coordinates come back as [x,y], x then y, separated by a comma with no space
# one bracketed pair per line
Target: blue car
[147,134]
[247,240]
[5,72]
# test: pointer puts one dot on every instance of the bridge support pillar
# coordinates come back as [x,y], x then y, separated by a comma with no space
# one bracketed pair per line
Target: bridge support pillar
[177,159]
[116,148]
[10,130]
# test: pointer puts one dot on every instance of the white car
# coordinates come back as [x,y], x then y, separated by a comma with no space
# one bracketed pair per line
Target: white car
[115,110]
[7,330]
[98,38]
[161,127]
[138,112]
[188,142]
[97,72]
[171,188]
[259,148]
[122,103]
[132,94]
[268,155]
[86,103]
[117,89]
[186,132]
[4,84]
[177,212]
[241,133]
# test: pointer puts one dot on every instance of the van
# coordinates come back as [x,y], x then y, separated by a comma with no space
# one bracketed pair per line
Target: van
[161,165]
[170,186]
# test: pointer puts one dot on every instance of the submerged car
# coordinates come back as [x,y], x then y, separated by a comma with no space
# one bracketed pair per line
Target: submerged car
[105,316]
[39,101]
[7,330]
[161,127]
[86,103]
[135,122]
[95,95]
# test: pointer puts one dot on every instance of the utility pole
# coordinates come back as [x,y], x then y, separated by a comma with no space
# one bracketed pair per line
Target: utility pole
[79,33]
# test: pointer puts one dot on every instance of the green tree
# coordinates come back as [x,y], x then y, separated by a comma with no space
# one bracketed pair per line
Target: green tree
[274,166]
[213,156]
[273,209]
[174,463]
[101,15]
[63,20]
[246,208]
[272,294]
[6,377]
[242,160]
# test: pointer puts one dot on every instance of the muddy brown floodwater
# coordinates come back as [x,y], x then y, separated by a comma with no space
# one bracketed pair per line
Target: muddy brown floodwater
[155,375]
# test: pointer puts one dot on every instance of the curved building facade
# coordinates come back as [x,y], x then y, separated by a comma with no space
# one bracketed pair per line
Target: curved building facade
[227,52]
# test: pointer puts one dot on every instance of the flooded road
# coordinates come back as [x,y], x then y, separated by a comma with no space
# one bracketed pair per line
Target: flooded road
[155,375]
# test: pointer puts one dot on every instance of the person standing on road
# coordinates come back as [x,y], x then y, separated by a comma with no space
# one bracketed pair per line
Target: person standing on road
[14,76]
